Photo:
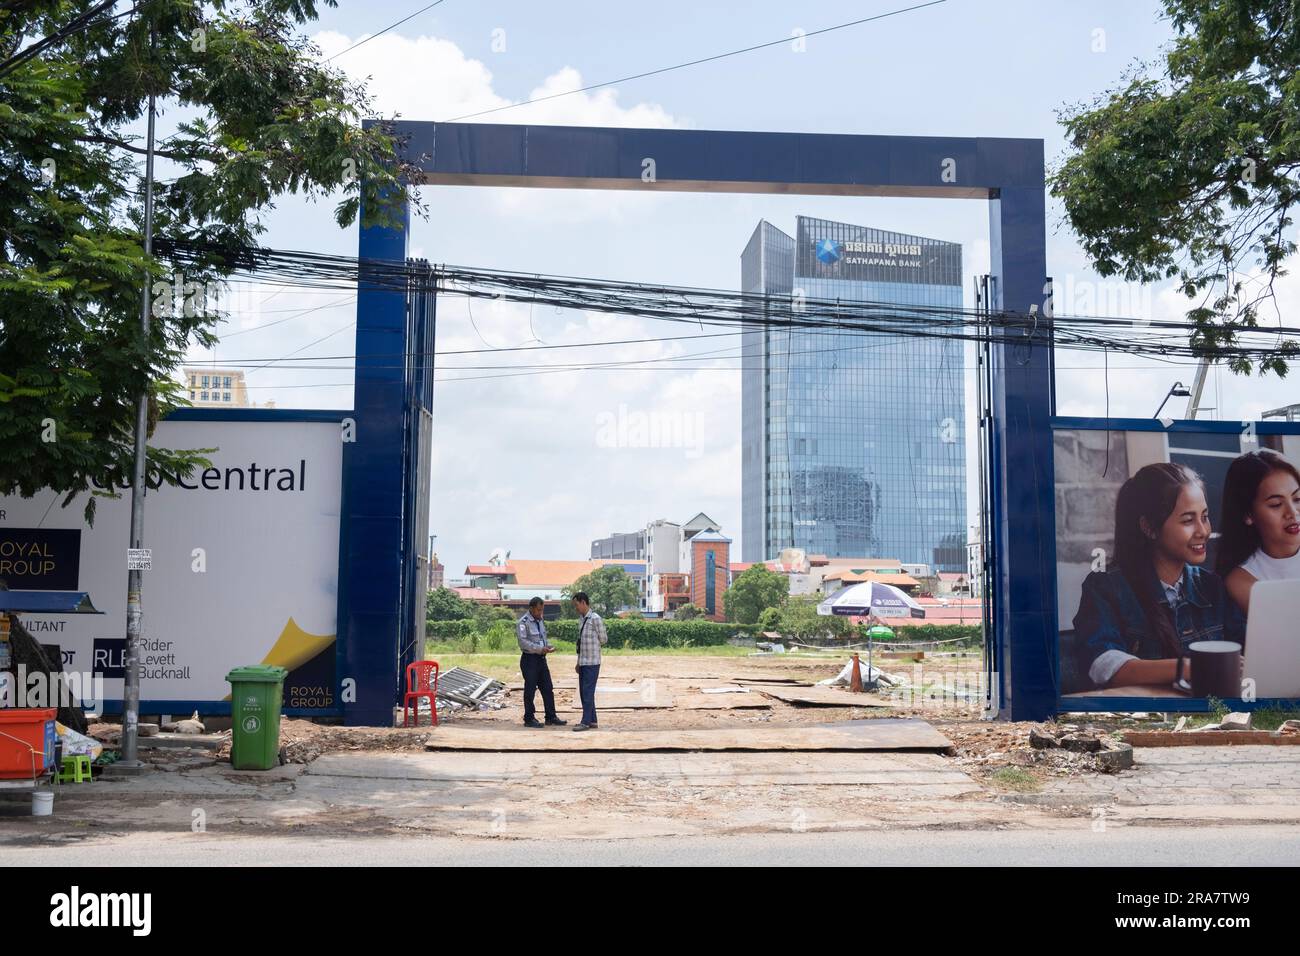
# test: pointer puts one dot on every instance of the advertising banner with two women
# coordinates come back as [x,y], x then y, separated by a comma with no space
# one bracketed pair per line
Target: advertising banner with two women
[1178,561]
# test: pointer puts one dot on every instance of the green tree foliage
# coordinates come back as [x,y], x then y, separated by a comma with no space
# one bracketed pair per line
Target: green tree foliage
[753,591]
[444,604]
[450,630]
[638,632]
[500,635]
[800,620]
[610,588]
[259,116]
[687,612]
[1193,174]
[485,615]
[623,632]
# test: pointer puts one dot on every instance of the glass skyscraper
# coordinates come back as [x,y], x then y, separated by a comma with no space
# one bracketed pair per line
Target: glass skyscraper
[853,443]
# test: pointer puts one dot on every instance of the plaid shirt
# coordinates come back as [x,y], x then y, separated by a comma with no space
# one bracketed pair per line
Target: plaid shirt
[591,636]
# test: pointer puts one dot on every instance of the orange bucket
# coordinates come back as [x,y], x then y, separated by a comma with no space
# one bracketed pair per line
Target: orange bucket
[26,742]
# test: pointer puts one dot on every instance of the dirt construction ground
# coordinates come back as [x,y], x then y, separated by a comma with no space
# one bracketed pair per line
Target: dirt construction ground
[340,781]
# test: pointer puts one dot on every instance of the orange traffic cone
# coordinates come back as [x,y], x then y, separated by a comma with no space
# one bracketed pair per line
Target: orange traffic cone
[855,681]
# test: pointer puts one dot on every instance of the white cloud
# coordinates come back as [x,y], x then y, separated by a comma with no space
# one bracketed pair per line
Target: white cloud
[530,463]
[417,78]
[427,78]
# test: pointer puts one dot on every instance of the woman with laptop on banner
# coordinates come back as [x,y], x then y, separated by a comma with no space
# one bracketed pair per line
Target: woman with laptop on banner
[1138,619]
[1259,557]
[1260,540]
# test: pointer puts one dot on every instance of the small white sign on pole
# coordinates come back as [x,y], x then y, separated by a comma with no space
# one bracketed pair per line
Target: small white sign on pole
[139,559]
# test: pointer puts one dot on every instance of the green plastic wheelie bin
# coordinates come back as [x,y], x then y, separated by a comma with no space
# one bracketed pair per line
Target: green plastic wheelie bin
[256,693]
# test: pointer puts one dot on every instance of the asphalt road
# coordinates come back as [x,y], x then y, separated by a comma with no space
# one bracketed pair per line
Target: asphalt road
[1126,846]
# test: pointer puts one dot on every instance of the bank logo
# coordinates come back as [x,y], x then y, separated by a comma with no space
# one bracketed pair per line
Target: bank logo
[829,251]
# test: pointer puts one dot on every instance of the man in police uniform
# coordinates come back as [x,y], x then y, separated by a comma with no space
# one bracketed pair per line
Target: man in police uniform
[531,632]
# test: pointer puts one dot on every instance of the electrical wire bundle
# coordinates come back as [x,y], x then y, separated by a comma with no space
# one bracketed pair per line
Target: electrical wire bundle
[737,310]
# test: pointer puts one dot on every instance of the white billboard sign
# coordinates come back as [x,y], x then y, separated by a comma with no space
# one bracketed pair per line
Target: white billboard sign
[242,565]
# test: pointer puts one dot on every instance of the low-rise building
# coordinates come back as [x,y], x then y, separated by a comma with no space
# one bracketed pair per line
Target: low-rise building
[710,562]
[630,546]
[518,581]
[218,388]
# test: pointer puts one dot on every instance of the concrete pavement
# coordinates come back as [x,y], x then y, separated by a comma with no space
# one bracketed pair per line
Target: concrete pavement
[1130,847]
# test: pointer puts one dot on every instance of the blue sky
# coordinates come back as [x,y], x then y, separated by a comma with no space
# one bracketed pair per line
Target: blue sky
[541,464]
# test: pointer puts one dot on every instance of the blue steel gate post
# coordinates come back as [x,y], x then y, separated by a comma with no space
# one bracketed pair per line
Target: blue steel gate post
[1024,487]
[370,612]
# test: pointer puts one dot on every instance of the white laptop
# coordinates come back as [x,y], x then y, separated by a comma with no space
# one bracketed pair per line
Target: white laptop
[1273,639]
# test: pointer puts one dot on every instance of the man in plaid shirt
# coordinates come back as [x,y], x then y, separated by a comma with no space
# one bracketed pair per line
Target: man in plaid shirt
[591,636]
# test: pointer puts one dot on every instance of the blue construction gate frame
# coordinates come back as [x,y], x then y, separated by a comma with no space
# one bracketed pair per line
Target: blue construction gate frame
[381,547]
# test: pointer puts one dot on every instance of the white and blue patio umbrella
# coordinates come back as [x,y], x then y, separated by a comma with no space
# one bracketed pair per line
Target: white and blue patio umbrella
[870,597]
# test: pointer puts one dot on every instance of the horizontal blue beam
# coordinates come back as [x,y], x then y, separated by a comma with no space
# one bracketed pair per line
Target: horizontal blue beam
[258,415]
[213,708]
[480,154]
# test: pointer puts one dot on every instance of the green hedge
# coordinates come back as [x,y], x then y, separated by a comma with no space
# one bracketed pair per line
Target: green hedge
[971,633]
[630,632]
[637,633]
[623,632]
[448,630]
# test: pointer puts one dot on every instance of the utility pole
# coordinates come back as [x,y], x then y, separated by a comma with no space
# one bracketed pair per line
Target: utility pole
[130,762]
[1198,384]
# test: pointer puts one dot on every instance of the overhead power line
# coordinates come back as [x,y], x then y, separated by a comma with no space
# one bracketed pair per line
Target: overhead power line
[720,308]
[391,26]
[690,63]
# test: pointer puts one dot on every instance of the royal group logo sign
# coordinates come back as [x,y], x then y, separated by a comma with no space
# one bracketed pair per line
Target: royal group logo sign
[39,559]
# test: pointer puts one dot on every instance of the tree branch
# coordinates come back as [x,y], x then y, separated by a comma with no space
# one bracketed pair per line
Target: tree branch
[129,147]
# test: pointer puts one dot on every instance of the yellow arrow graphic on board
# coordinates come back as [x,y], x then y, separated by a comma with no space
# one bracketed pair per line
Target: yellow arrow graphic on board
[295,647]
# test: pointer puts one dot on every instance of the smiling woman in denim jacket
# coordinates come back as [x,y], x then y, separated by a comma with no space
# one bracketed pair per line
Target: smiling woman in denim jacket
[1137,617]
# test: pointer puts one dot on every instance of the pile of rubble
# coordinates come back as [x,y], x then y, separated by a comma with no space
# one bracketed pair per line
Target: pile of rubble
[1052,749]
[461,689]
[1108,754]
[1239,720]
[302,741]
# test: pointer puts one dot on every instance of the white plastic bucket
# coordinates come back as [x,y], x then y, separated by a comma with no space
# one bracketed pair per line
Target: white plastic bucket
[42,803]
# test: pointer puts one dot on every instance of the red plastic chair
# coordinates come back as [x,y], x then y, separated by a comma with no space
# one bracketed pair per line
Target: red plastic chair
[419,684]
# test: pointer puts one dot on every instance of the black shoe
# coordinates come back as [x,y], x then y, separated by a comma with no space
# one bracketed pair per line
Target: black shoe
[533,723]
[555,722]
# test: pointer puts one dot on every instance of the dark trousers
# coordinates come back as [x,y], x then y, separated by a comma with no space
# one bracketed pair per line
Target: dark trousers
[537,676]
[587,674]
